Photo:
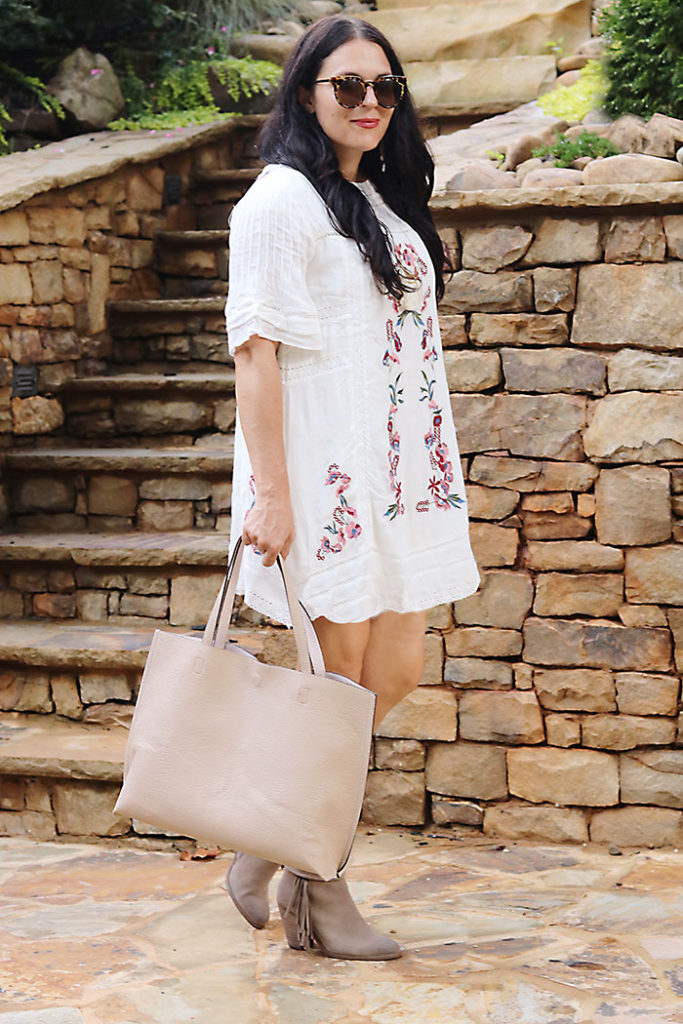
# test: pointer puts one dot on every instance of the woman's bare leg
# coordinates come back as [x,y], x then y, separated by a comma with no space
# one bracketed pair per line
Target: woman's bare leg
[385,653]
[394,658]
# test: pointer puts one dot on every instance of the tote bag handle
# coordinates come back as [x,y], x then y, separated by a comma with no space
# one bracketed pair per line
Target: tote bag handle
[307,644]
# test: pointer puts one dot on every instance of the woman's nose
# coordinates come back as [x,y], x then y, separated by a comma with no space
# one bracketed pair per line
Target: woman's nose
[370,100]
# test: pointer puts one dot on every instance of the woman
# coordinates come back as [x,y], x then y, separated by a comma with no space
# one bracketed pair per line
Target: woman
[345,454]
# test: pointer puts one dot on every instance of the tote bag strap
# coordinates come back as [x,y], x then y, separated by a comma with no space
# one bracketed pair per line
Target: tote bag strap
[307,644]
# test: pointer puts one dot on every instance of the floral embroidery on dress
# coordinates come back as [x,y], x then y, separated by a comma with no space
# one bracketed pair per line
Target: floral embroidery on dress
[345,525]
[412,269]
[442,468]
[397,508]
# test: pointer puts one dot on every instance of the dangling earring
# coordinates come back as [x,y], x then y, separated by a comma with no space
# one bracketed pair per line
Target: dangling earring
[382,162]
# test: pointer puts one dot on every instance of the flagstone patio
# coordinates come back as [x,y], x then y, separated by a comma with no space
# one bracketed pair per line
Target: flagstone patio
[492,934]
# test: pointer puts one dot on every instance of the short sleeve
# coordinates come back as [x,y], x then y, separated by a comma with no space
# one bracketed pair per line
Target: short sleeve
[272,241]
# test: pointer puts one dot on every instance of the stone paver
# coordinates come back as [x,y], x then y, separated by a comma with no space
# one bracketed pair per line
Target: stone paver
[492,934]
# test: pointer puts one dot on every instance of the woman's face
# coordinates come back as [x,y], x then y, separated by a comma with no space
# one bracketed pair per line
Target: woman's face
[357,130]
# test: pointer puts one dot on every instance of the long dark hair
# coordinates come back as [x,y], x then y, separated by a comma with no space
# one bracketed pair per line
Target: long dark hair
[400,168]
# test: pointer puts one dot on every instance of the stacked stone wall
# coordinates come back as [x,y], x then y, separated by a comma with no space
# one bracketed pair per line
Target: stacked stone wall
[550,705]
[66,252]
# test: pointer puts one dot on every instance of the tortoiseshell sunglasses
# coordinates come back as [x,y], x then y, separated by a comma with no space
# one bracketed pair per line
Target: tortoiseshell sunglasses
[350,90]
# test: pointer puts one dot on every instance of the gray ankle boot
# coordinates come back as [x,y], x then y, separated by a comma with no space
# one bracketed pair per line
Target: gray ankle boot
[323,914]
[247,883]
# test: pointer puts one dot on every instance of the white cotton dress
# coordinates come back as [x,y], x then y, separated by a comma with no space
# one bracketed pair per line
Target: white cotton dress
[376,485]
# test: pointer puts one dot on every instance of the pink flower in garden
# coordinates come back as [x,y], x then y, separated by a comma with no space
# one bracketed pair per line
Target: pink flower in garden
[210,50]
[96,71]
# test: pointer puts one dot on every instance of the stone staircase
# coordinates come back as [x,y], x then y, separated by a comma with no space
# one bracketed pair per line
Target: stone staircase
[118,526]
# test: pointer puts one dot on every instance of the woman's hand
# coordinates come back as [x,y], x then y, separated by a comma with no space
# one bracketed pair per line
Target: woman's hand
[269,526]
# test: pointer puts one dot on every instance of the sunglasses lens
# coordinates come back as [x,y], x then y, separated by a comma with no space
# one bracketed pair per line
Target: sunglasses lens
[349,92]
[388,92]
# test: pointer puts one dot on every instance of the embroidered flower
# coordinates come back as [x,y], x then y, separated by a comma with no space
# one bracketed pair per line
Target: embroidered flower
[344,525]
[442,468]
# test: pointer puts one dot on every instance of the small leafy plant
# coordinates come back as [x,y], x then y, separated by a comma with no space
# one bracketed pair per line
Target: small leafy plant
[183,94]
[566,151]
[11,77]
[573,102]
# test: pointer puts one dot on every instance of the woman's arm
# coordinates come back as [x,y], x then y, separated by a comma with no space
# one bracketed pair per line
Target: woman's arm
[270,523]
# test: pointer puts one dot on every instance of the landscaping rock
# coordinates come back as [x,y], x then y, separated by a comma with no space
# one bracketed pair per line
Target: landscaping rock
[492,248]
[275,48]
[480,174]
[640,693]
[627,133]
[563,730]
[87,87]
[525,475]
[614,306]
[631,167]
[633,370]
[472,371]
[596,645]
[561,240]
[394,798]
[561,593]
[512,717]
[624,732]
[554,288]
[36,415]
[560,369]
[565,777]
[467,770]
[636,427]
[652,777]
[479,86]
[637,826]
[503,600]
[553,177]
[655,575]
[428,713]
[578,689]
[399,755]
[633,505]
[546,425]
[635,239]
[479,673]
[546,824]
[498,329]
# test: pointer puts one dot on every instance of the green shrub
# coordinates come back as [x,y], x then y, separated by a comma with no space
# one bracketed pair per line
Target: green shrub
[183,94]
[566,151]
[29,85]
[573,102]
[644,57]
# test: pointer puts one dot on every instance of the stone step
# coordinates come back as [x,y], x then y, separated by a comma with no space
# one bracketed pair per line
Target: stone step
[83,672]
[135,318]
[222,186]
[217,382]
[488,28]
[113,489]
[193,239]
[479,87]
[226,175]
[37,745]
[127,578]
[186,256]
[180,406]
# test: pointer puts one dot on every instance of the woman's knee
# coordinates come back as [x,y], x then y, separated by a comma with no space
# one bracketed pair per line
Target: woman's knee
[343,645]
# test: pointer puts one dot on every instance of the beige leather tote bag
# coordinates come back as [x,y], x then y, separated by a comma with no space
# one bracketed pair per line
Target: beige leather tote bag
[253,757]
